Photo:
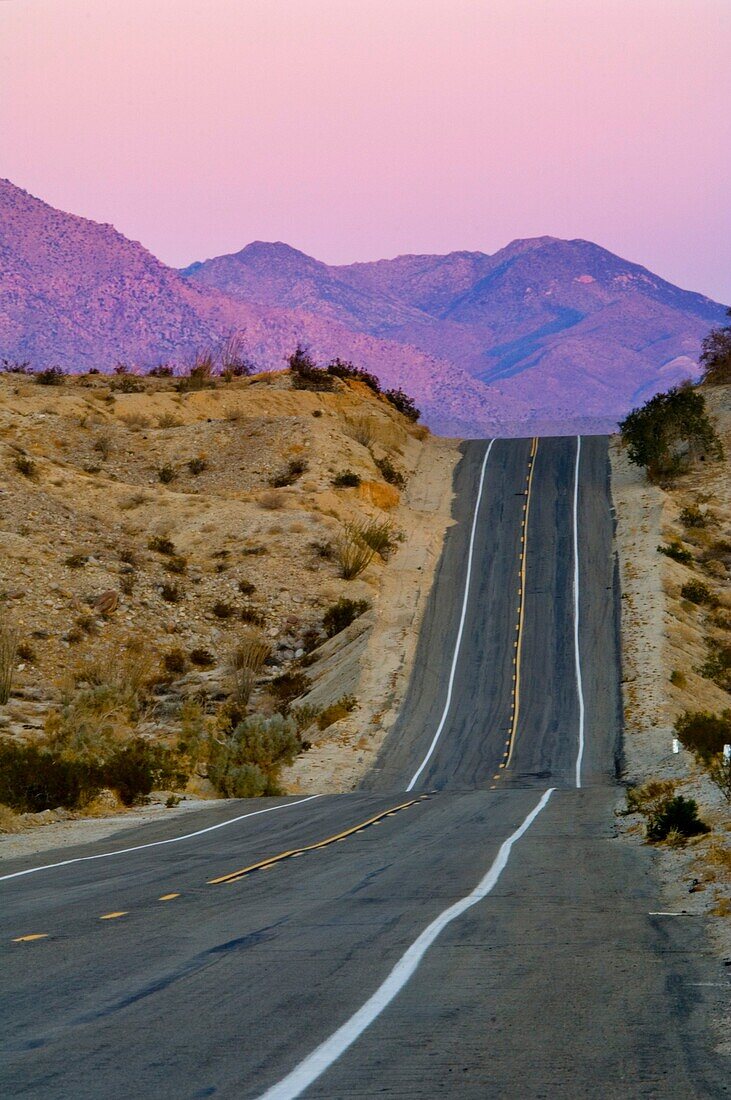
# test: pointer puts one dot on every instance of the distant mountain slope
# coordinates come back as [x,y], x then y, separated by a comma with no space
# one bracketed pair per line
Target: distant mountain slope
[546,334]
[79,294]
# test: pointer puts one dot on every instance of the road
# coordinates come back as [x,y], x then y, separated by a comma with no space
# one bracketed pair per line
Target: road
[466,924]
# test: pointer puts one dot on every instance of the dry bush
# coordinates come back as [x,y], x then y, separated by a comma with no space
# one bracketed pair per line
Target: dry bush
[103,445]
[244,663]
[272,501]
[136,422]
[381,536]
[8,654]
[363,431]
[351,552]
[26,466]
[168,420]
[342,707]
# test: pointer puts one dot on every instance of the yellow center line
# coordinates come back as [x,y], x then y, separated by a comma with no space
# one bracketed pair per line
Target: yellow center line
[30,938]
[515,712]
[168,897]
[266,863]
[113,916]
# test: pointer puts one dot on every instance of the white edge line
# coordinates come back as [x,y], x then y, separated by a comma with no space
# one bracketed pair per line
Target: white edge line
[315,1064]
[577,652]
[463,616]
[158,843]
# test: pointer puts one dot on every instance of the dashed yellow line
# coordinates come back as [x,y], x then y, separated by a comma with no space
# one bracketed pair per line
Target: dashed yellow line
[518,644]
[271,861]
[114,916]
[168,897]
[31,938]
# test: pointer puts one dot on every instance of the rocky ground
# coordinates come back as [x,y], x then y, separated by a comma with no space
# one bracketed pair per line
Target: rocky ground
[135,515]
[666,641]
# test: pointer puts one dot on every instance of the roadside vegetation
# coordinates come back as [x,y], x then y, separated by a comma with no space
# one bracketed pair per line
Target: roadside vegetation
[190,539]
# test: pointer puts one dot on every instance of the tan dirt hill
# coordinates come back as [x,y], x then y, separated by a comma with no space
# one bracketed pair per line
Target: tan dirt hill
[135,514]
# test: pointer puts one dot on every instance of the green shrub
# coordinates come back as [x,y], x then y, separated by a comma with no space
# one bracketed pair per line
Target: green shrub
[382,537]
[669,431]
[699,593]
[351,551]
[704,734]
[403,403]
[341,369]
[719,771]
[245,763]
[346,480]
[201,374]
[677,552]
[306,375]
[341,614]
[389,472]
[138,767]
[716,356]
[52,376]
[678,815]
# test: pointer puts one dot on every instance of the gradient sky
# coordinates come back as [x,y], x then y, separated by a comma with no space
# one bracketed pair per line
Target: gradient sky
[357,129]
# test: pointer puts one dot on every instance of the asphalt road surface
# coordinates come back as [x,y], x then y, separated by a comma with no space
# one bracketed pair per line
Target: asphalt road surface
[464,925]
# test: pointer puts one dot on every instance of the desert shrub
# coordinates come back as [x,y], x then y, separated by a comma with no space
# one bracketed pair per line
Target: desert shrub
[197,466]
[223,610]
[167,420]
[664,811]
[317,413]
[717,665]
[254,616]
[161,545]
[171,592]
[344,705]
[52,376]
[234,363]
[25,652]
[679,815]
[254,551]
[273,501]
[677,678]
[389,472]
[716,356]
[704,734]
[699,593]
[304,716]
[139,767]
[177,565]
[295,468]
[128,385]
[162,370]
[201,375]
[26,466]
[306,375]
[341,614]
[403,404]
[362,430]
[669,431]
[346,480]
[676,551]
[719,771]
[381,537]
[167,474]
[175,661]
[76,561]
[103,445]
[288,686]
[245,662]
[341,369]
[127,582]
[351,551]
[693,517]
[15,366]
[246,588]
[8,654]
[246,761]
[323,550]
[135,421]
[201,658]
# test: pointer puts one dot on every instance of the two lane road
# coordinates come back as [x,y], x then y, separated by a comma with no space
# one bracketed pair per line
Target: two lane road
[481,934]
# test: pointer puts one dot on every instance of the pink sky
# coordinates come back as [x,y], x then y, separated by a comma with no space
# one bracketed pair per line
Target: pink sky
[356,129]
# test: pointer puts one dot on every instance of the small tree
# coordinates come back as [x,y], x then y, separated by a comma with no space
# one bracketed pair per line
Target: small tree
[716,355]
[669,431]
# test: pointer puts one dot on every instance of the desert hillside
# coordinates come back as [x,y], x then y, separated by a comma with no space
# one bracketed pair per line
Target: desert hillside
[189,551]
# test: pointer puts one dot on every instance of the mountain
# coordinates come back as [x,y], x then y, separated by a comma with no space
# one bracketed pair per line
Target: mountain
[78,294]
[564,329]
[545,335]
